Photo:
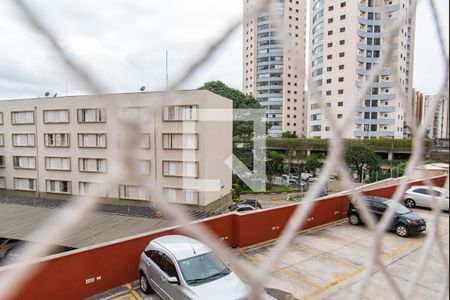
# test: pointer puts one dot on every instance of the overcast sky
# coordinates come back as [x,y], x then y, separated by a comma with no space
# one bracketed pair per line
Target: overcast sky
[123,44]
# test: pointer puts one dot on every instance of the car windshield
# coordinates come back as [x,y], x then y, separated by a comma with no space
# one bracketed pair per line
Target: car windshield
[399,209]
[203,268]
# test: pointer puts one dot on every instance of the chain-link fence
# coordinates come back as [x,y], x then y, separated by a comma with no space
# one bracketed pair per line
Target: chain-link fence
[55,228]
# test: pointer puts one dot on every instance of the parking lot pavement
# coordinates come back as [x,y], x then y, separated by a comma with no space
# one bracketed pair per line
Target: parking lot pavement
[327,263]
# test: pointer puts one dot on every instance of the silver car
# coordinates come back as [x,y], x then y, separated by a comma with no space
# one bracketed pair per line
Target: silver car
[421,196]
[180,268]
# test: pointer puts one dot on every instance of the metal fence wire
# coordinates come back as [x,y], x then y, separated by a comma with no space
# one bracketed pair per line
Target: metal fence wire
[64,220]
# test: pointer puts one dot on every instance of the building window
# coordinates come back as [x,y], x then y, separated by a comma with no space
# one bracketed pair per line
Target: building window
[1,118]
[342,17]
[2,161]
[328,93]
[340,92]
[342,29]
[92,165]
[57,163]
[24,162]
[342,42]
[22,117]
[189,197]
[144,141]
[92,140]
[91,189]
[341,67]
[339,116]
[91,115]
[2,183]
[343,4]
[25,184]
[132,192]
[56,116]
[180,169]
[59,186]
[133,114]
[144,166]
[23,140]
[180,141]
[340,104]
[57,140]
[180,113]
[342,54]
[2,140]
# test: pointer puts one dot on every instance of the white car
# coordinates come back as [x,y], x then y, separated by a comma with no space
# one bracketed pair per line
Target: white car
[421,196]
[180,268]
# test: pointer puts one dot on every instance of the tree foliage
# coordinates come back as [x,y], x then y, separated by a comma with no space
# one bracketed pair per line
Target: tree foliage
[274,165]
[359,157]
[313,163]
[289,135]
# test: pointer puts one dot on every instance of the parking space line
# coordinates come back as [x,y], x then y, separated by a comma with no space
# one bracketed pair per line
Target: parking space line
[347,242]
[283,271]
[326,255]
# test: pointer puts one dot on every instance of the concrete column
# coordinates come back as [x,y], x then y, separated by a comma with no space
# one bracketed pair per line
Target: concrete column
[391,155]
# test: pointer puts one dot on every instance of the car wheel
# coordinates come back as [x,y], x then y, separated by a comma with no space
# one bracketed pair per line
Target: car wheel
[410,203]
[354,219]
[143,283]
[402,230]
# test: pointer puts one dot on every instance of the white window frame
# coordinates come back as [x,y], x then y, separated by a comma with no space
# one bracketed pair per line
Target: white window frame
[99,115]
[2,183]
[2,140]
[57,139]
[18,161]
[16,120]
[125,192]
[31,184]
[49,116]
[48,163]
[30,139]
[82,140]
[2,161]
[100,163]
[56,186]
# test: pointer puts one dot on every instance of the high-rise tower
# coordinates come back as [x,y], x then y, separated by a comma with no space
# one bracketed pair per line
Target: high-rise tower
[347,40]
[274,62]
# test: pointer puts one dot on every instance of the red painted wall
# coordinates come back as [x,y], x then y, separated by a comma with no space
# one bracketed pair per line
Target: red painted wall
[64,276]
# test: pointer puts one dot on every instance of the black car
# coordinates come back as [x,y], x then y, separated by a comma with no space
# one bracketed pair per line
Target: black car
[252,202]
[405,221]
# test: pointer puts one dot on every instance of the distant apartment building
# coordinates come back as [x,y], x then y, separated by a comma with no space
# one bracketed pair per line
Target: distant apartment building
[438,127]
[68,146]
[347,40]
[274,63]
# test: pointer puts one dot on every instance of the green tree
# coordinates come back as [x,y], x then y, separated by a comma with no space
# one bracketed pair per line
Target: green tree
[313,163]
[360,158]
[289,135]
[274,165]
[400,169]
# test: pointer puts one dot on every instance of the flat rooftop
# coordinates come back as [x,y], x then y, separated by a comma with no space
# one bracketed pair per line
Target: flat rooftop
[326,263]
[19,221]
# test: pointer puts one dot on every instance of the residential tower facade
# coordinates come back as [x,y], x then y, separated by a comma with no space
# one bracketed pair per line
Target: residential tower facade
[347,40]
[274,62]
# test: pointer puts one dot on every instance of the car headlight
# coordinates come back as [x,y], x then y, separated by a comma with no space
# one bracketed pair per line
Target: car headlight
[412,222]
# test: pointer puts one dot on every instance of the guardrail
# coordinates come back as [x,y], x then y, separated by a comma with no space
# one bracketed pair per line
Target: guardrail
[86,272]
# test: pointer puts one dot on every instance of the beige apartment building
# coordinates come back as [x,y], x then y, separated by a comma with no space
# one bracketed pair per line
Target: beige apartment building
[57,147]
[347,40]
[274,63]
[438,128]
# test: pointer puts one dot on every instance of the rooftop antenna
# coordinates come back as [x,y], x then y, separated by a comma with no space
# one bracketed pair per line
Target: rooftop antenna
[167,69]
[193,250]
[56,94]
[142,88]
